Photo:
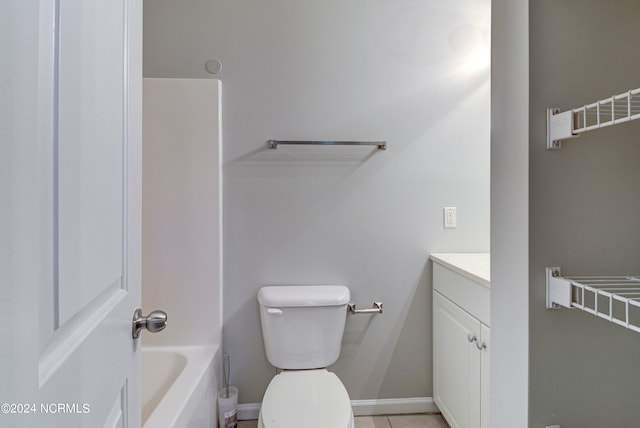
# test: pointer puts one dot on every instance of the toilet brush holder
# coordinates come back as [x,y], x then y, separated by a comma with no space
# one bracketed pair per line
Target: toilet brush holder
[228,407]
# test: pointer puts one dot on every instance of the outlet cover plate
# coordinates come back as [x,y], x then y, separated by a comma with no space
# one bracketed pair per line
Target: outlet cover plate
[450,217]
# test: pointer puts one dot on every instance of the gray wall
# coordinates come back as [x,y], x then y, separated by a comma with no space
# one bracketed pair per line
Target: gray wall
[584,212]
[509,385]
[413,73]
[178,37]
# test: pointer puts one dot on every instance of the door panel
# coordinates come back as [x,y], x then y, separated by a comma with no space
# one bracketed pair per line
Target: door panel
[115,418]
[90,142]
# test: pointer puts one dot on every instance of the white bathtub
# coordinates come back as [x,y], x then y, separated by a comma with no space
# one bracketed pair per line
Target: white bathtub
[179,386]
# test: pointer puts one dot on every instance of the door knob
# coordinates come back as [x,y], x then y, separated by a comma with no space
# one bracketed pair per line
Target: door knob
[154,322]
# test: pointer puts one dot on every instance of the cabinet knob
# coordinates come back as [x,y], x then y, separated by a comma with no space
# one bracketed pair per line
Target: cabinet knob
[472,338]
[481,346]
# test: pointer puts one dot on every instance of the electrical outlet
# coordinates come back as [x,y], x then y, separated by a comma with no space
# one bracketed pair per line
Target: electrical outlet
[450,220]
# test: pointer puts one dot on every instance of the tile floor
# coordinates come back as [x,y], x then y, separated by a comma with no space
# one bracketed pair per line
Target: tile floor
[392,421]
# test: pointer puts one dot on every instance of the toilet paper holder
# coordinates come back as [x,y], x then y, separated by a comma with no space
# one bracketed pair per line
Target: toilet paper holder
[377,309]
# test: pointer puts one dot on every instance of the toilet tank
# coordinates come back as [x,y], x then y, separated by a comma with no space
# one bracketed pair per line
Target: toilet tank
[302,325]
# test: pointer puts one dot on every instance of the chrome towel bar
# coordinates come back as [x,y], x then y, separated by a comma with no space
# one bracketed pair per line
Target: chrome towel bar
[377,309]
[382,145]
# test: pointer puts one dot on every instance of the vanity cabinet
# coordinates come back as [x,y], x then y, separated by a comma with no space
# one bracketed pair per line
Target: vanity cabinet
[461,345]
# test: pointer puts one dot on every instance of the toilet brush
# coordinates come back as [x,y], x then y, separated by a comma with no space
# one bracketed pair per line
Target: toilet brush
[226,367]
[227,398]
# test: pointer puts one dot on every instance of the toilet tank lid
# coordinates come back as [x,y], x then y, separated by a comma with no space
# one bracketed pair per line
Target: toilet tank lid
[303,295]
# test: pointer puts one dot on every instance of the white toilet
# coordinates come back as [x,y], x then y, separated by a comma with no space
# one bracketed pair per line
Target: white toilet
[302,328]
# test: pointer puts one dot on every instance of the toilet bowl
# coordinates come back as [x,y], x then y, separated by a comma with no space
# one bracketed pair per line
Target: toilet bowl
[306,398]
[302,327]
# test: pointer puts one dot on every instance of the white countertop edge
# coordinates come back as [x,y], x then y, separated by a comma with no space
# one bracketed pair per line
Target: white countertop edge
[467,268]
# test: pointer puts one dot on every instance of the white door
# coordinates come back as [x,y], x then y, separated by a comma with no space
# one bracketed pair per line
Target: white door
[70,183]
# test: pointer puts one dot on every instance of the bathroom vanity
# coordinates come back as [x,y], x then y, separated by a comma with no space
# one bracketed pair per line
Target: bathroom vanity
[461,338]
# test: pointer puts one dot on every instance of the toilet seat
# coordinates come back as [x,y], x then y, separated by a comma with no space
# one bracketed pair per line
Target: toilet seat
[306,398]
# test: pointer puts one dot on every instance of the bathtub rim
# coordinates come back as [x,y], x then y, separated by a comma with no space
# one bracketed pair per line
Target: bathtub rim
[178,405]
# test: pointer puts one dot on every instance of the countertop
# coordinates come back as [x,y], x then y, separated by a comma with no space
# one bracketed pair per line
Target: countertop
[475,266]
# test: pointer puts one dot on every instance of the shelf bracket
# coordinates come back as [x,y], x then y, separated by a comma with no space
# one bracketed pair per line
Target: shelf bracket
[558,289]
[559,127]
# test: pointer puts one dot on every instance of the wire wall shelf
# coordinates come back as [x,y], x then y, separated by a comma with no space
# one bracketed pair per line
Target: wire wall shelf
[613,298]
[600,114]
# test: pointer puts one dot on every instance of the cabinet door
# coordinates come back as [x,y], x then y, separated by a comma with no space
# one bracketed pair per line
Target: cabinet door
[456,364]
[485,334]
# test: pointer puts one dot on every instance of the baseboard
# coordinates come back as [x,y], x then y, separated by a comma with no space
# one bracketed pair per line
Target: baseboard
[394,406]
[387,406]
[248,412]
